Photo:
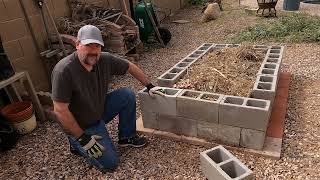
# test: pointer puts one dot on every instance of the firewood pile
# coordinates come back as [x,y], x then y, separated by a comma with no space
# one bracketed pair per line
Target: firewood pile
[120,33]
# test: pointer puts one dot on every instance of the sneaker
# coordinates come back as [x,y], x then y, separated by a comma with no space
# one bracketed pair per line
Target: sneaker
[134,141]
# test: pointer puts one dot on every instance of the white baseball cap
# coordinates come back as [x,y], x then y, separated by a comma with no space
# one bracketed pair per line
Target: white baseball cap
[90,34]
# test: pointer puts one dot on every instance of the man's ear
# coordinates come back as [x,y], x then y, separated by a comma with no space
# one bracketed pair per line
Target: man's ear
[77,44]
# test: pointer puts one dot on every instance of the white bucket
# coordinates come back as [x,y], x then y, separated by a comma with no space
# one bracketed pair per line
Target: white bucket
[27,126]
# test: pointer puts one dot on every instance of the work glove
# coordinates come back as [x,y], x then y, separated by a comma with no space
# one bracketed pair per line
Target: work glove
[91,145]
[153,91]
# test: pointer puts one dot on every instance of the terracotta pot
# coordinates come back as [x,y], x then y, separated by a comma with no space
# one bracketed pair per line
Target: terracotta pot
[17,111]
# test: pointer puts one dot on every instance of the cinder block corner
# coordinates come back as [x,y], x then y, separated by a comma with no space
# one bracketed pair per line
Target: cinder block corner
[245,112]
[166,105]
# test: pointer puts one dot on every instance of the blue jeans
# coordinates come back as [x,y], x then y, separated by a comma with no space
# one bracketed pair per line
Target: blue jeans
[122,102]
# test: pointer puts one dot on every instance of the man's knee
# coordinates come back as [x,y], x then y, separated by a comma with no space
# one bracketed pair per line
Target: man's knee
[111,165]
[129,94]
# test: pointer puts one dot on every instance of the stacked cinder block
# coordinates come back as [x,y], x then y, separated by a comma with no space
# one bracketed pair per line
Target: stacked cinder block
[233,120]
[170,77]
[245,121]
[267,77]
[238,121]
[219,164]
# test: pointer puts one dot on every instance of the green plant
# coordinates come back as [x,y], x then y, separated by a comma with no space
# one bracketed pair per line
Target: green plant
[289,28]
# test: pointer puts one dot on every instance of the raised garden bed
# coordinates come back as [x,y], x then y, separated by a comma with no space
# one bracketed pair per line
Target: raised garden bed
[238,120]
[230,71]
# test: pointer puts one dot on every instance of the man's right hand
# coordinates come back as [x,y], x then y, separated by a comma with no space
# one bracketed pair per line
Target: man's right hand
[91,145]
[155,90]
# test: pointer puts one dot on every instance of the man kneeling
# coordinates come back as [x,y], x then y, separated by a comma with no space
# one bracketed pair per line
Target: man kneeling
[83,105]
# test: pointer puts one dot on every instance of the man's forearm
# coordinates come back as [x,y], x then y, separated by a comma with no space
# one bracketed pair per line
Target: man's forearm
[138,74]
[69,123]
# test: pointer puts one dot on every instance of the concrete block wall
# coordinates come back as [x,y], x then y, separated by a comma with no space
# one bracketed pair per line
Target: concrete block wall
[244,112]
[170,77]
[267,78]
[219,164]
[232,120]
[198,105]
[265,87]
[228,119]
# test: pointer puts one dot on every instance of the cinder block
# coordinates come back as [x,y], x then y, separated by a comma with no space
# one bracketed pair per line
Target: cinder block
[29,49]
[197,54]
[178,125]
[233,45]
[265,88]
[229,134]
[38,27]
[13,49]
[272,60]
[166,105]
[14,9]
[199,105]
[182,64]
[187,60]
[13,29]
[269,69]
[3,12]
[252,139]
[261,47]
[219,46]
[60,8]
[219,164]
[208,131]
[150,119]
[274,55]
[244,112]
[205,47]
[169,78]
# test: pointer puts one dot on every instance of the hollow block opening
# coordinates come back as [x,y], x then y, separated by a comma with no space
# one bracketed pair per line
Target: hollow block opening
[265,79]
[255,103]
[233,169]
[270,66]
[218,156]
[264,86]
[183,64]
[191,94]
[276,51]
[273,56]
[210,97]
[272,60]
[188,60]
[234,100]
[169,76]
[175,70]
[268,71]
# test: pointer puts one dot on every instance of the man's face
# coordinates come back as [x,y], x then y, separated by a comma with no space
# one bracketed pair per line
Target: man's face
[89,54]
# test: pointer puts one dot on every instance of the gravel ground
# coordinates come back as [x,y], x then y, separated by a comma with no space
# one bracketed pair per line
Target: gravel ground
[44,153]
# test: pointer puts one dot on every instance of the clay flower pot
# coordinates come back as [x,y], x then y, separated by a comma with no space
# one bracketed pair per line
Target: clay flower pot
[21,115]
